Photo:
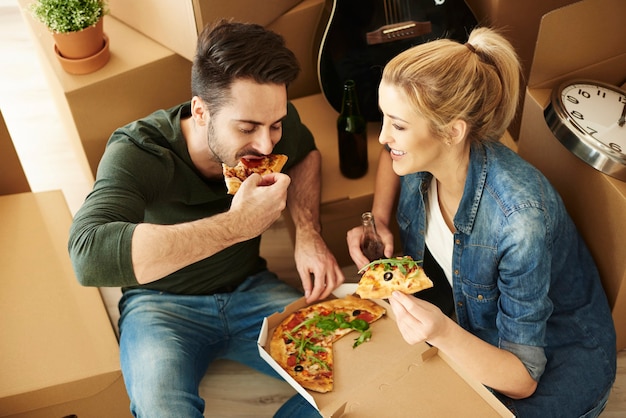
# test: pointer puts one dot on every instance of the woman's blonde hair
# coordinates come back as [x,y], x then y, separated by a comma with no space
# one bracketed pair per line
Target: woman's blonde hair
[477,82]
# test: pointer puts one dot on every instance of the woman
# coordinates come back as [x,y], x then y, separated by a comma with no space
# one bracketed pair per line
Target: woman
[531,319]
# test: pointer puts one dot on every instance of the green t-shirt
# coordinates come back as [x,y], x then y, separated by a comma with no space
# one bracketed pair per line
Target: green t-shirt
[146,175]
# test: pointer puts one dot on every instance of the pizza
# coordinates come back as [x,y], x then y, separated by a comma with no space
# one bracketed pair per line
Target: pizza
[234,176]
[381,277]
[302,343]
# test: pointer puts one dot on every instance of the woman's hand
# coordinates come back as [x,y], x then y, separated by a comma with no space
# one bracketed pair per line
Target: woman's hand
[353,239]
[417,319]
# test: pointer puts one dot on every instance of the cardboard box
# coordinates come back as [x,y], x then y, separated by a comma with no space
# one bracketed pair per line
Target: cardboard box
[170,23]
[519,22]
[12,177]
[388,376]
[59,355]
[141,76]
[302,28]
[582,40]
[176,25]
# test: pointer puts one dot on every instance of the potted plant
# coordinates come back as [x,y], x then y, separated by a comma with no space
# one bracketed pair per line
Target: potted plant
[77,28]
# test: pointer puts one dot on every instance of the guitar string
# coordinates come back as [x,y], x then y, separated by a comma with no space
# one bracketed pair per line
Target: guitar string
[394,11]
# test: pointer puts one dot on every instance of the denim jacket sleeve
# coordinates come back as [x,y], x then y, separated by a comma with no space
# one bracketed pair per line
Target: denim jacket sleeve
[504,251]
[524,284]
[502,276]
[524,253]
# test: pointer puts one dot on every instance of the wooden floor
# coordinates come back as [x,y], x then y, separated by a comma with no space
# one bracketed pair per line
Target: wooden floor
[230,390]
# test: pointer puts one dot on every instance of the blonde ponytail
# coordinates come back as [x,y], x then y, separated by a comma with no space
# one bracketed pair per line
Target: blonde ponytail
[477,82]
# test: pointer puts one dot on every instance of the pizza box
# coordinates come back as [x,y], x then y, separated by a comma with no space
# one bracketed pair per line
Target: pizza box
[387,374]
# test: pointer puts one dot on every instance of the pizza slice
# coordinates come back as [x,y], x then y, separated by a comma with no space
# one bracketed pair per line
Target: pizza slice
[234,176]
[381,277]
[302,343]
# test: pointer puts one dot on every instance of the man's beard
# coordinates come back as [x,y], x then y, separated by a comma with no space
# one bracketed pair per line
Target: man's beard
[216,152]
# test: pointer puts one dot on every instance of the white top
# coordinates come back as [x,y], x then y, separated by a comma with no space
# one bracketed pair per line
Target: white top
[439,239]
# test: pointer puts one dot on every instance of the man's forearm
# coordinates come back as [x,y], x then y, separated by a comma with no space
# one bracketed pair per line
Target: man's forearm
[303,199]
[159,250]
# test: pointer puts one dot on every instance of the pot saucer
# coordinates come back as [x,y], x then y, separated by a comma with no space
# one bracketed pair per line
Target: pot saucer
[85,65]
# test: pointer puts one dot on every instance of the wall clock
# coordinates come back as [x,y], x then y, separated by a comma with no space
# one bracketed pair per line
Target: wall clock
[589,118]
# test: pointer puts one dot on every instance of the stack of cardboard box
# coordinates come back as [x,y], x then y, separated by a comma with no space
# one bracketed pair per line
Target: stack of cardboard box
[58,353]
[582,40]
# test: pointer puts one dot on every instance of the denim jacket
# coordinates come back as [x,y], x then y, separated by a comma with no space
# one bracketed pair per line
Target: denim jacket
[523,279]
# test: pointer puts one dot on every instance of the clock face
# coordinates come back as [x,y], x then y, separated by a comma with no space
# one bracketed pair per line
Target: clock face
[589,118]
[598,111]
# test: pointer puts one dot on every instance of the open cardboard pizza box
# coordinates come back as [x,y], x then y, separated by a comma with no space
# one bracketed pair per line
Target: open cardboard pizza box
[387,374]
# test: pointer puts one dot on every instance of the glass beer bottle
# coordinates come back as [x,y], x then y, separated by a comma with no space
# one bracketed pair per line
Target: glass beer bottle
[371,243]
[352,135]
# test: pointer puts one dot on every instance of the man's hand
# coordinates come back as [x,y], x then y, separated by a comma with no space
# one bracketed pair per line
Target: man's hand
[319,272]
[260,201]
[318,268]
[159,250]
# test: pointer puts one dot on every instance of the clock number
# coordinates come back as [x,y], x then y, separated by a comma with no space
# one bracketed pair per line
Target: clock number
[583,93]
[591,131]
[577,114]
[615,147]
[572,99]
[586,95]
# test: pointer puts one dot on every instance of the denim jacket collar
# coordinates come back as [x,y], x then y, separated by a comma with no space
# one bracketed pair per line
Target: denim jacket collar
[474,186]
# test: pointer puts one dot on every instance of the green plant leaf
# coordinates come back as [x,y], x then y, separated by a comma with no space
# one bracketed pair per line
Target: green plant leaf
[63,16]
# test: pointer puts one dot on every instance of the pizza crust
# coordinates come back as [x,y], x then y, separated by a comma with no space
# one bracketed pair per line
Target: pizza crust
[232,185]
[234,176]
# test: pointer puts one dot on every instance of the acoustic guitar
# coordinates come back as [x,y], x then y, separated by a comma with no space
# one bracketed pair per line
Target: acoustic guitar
[363,35]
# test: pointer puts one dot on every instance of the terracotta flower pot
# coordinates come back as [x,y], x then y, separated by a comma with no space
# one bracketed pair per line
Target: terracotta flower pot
[85,65]
[81,44]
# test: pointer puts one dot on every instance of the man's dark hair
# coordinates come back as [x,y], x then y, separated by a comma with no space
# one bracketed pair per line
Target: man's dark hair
[229,50]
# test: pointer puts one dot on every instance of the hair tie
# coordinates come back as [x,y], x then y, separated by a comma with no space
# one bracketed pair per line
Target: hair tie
[470,47]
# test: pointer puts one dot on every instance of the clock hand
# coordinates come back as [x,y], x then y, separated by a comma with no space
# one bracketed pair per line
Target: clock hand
[622,119]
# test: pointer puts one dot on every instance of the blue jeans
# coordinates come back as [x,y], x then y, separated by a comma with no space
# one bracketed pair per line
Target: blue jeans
[556,405]
[298,407]
[167,341]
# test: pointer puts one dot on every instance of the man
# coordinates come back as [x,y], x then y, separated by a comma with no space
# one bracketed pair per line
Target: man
[160,224]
